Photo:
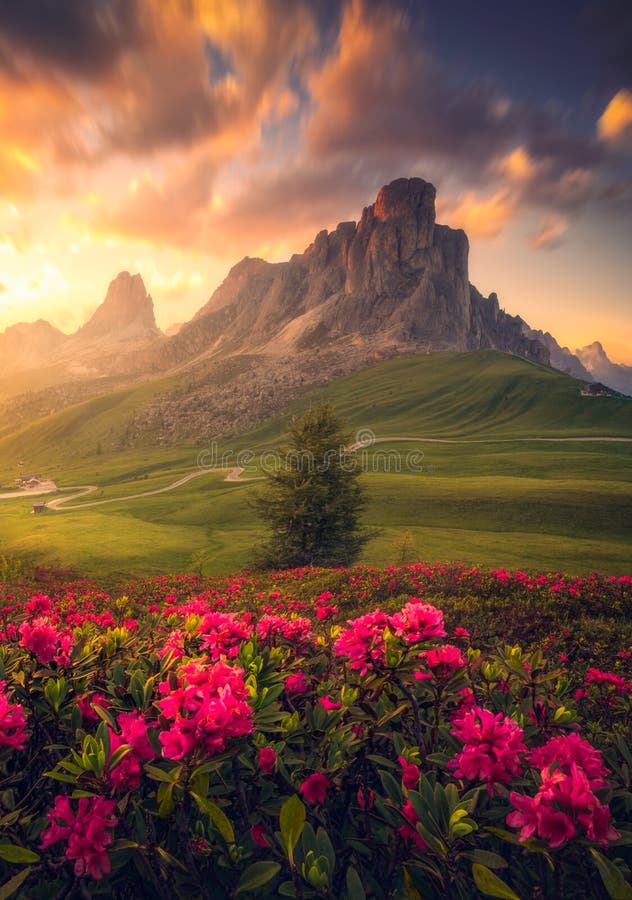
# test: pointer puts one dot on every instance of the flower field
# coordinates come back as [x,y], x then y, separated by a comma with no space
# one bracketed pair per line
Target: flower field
[411,732]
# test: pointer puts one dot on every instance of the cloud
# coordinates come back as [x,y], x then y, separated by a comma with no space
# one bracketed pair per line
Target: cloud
[168,211]
[77,37]
[550,234]
[615,123]
[380,93]
[479,216]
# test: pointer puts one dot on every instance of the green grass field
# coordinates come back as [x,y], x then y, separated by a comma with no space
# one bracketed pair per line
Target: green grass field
[530,504]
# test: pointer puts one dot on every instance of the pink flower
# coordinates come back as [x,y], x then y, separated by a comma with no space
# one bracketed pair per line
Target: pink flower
[296,683]
[87,832]
[207,708]
[272,628]
[12,722]
[223,634]
[418,621]
[259,835]
[327,703]
[363,643]
[446,658]
[410,774]
[567,749]
[39,637]
[493,746]
[86,703]
[126,774]
[408,831]
[267,760]
[315,788]
[461,633]
[366,799]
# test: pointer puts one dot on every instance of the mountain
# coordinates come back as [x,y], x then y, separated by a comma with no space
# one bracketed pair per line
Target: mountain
[25,345]
[126,314]
[614,375]
[561,358]
[395,282]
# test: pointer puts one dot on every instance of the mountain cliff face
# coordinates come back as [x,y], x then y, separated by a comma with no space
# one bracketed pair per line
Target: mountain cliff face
[126,314]
[616,376]
[27,344]
[395,282]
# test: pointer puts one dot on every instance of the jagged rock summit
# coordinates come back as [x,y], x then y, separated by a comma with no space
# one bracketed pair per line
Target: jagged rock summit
[127,313]
[394,282]
[595,359]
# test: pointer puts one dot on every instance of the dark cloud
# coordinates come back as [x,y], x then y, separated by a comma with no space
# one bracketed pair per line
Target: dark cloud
[608,26]
[381,93]
[81,37]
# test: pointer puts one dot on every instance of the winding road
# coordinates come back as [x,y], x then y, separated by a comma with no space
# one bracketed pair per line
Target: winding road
[235,473]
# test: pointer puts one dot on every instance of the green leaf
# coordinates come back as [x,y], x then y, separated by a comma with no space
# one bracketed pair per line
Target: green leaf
[160,775]
[9,888]
[257,875]
[613,881]
[486,858]
[12,853]
[491,885]
[325,848]
[292,821]
[355,890]
[217,817]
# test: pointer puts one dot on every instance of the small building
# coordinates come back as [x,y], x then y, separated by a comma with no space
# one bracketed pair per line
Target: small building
[39,508]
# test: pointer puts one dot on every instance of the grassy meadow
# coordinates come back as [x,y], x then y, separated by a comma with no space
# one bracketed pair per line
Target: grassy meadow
[497,498]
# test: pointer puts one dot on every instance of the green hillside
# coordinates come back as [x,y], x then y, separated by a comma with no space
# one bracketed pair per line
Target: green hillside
[492,495]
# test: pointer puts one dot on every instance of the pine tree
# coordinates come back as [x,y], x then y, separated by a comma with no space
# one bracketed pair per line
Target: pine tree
[312,501]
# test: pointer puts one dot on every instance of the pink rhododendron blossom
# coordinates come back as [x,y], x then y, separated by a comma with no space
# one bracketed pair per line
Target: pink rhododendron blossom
[363,643]
[87,832]
[315,788]
[86,705]
[296,683]
[259,835]
[40,638]
[327,703]
[408,831]
[126,774]
[267,760]
[207,708]
[272,627]
[446,658]
[493,747]
[222,634]
[12,722]
[570,771]
[366,799]
[418,621]
[410,774]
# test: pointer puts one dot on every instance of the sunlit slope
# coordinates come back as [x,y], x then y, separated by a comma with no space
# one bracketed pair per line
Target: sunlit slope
[483,394]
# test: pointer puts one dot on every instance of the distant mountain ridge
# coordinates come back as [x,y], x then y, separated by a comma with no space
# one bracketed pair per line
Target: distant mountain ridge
[394,283]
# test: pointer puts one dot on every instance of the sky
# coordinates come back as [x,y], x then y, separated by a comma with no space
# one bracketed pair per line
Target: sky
[174,137]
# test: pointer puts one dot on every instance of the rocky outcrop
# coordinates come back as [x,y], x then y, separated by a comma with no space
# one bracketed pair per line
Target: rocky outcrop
[126,314]
[601,368]
[27,345]
[395,280]
[561,358]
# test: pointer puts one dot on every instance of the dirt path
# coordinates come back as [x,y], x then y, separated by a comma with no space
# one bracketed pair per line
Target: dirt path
[369,441]
[235,474]
[60,503]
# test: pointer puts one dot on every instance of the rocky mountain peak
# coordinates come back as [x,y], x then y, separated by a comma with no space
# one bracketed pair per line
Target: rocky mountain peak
[404,198]
[127,313]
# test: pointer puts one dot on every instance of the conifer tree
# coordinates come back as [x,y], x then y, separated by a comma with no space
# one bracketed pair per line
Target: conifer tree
[312,501]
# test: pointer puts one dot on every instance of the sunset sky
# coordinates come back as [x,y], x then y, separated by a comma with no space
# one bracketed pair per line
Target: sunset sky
[173,137]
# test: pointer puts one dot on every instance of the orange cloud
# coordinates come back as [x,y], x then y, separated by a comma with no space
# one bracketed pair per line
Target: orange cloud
[550,234]
[615,123]
[483,217]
